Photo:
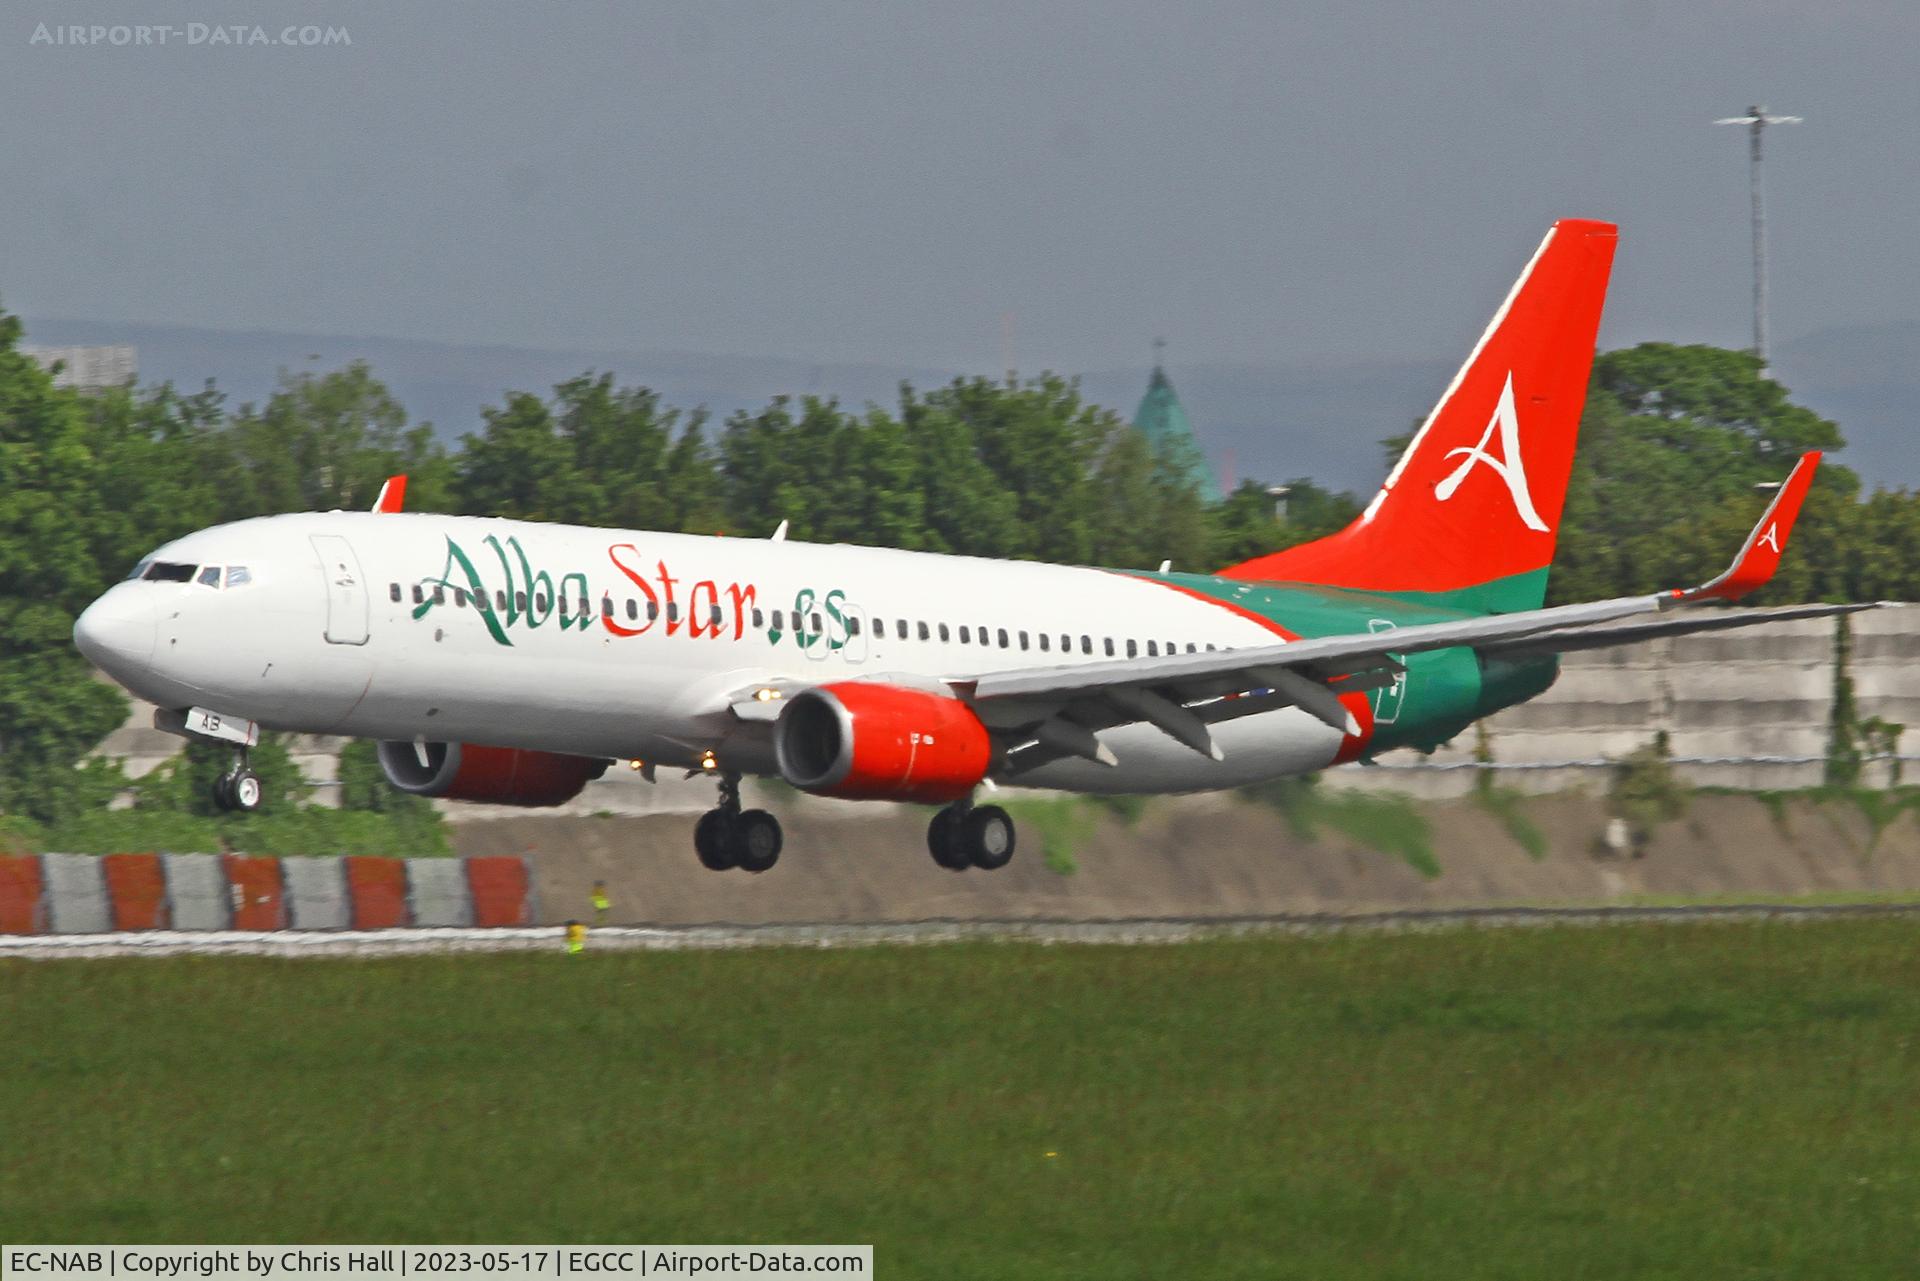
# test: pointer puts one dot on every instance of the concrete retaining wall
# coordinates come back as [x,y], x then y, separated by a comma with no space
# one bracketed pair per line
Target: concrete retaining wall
[316,894]
[76,891]
[72,894]
[197,892]
[438,890]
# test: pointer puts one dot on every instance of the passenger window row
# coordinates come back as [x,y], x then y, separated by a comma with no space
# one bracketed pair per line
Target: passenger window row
[1001,637]
[459,597]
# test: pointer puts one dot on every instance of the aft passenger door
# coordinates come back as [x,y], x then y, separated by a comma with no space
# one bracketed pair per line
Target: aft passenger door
[346,593]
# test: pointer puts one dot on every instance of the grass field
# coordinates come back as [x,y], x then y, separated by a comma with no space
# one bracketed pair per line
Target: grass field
[1650,1101]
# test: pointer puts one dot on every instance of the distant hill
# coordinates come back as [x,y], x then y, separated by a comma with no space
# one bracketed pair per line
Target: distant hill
[447,384]
[1274,422]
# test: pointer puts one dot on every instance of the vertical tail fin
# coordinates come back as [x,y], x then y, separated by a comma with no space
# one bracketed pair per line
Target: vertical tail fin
[1472,509]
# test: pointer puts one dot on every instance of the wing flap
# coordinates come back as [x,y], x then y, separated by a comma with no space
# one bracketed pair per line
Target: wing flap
[1319,657]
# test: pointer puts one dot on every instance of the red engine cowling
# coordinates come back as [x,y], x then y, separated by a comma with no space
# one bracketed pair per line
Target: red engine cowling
[881,742]
[497,775]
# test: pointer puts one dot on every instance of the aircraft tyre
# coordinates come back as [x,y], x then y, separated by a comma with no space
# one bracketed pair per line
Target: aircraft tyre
[944,840]
[987,835]
[244,787]
[712,841]
[755,841]
[238,790]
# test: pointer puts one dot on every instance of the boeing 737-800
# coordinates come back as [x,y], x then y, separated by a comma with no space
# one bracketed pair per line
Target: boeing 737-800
[512,662]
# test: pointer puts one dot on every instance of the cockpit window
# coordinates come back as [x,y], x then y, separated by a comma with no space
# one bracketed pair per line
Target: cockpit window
[237,576]
[164,571]
[209,577]
[140,570]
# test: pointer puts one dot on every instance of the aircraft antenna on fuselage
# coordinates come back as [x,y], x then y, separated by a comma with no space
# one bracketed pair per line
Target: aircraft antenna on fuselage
[780,534]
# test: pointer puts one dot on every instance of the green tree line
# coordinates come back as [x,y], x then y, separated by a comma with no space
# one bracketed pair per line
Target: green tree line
[1675,440]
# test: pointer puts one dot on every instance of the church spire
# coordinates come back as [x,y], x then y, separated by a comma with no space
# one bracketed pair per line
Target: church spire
[1163,421]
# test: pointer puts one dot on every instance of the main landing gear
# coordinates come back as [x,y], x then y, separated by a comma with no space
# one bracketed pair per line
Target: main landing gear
[727,836]
[239,788]
[961,836]
[965,835]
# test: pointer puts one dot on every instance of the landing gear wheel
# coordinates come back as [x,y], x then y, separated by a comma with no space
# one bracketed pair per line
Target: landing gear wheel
[986,833]
[943,840]
[238,790]
[243,786]
[712,841]
[756,841]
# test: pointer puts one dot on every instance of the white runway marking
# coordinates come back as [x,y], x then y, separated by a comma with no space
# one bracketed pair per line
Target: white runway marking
[549,938]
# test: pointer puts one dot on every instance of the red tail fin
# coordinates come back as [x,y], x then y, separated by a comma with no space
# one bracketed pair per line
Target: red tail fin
[1473,506]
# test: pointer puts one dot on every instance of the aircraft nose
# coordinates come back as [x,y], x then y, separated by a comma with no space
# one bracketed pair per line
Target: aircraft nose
[119,630]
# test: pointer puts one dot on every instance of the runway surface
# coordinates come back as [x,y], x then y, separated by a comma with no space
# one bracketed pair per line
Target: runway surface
[362,943]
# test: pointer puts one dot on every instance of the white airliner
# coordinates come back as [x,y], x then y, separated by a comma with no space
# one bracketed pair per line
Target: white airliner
[512,662]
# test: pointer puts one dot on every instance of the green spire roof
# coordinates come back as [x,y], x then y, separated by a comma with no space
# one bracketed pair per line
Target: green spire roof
[1164,423]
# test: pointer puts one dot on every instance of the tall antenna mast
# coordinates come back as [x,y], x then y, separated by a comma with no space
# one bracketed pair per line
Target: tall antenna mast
[1757,121]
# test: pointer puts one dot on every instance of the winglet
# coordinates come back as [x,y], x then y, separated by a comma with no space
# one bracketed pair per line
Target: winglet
[1760,555]
[393,495]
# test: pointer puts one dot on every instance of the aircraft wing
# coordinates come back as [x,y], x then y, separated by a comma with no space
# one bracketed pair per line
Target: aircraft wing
[1566,640]
[1045,713]
[1332,661]
[1183,697]
[1049,712]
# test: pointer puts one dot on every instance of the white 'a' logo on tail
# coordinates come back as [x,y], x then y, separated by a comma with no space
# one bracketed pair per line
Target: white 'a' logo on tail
[1509,467]
[1771,539]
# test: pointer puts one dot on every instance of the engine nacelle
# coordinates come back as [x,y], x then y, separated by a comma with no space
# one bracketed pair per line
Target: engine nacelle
[497,775]
[881,742]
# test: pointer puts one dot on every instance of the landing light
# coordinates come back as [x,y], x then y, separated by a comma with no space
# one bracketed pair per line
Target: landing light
[707,761]
[766,694]
[637,764]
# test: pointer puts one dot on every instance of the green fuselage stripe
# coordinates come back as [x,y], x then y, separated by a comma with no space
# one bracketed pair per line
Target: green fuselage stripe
[1443,691]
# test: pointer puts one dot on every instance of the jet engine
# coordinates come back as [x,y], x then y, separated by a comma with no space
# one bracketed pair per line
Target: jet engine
[866,741]
[497,775]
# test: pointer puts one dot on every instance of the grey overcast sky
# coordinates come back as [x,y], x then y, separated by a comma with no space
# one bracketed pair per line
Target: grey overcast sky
[871,181]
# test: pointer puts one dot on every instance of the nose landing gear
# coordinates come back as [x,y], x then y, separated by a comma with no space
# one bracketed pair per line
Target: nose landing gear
[728,837]
[965,835]
[239,788]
